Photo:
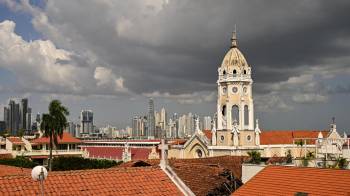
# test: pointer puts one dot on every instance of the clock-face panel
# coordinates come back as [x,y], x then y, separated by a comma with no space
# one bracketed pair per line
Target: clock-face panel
[234,89]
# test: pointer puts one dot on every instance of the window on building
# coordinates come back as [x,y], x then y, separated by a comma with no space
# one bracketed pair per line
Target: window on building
[235,113]
[249,138]
[199,153]
[245,71]
[234,71]
[222,138]
[223,110]
[224,72]
[246,115]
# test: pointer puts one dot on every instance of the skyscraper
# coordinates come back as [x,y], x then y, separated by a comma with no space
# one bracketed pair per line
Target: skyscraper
[135,126]
[207,123]
[163,118]
[87,122]
[23,109]
[151,119]
[28,118]
[16,116]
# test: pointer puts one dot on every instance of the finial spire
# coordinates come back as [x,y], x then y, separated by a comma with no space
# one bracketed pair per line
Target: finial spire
[234,38]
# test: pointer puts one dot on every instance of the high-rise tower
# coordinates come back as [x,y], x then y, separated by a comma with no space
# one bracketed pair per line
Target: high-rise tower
[151,118]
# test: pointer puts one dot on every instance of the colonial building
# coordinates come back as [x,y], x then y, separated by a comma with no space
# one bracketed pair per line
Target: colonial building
[235,133]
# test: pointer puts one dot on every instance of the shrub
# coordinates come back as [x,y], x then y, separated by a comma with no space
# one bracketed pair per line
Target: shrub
[79,163]
[19,161]
[255,157]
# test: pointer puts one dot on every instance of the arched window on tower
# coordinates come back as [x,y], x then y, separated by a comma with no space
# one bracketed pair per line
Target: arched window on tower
[223,110]
[234,72]
[246,115]
[245,71]
[235,113]
[224,72]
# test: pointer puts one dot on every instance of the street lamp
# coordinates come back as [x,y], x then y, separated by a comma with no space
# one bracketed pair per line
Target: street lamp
[39,173]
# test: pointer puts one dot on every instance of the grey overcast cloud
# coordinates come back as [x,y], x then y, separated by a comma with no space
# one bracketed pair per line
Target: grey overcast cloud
[111,56]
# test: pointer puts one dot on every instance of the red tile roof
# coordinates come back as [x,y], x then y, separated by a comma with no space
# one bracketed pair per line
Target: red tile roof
[287,136]
[208,134]
[177,141]
[116,181]
[117,152]
[202,175]
[15,140]
[66,139]
[6,170]
[279,180]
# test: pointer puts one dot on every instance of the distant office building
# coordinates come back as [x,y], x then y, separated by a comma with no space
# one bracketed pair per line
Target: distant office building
[86,122]
[36,123]
[16,116]
[181,132]
[190,124]
[163,118]
[207,123]
[110,132]
[23,110]
[135,128]
[71,128]
[139,126]
[128,131]
[77,130]
[150,119]
[171,131]
[29,119]
[2,126]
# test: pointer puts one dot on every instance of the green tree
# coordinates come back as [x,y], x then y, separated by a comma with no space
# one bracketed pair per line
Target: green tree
[255,157]
[53,124]
[20,133]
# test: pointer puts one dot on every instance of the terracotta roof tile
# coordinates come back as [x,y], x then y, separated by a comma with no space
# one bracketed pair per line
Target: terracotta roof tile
[282,180]
[208,134]
[203,175]
[6,170]
[66,139]
[15,140]
[287,136]
[116,181]
[200,175]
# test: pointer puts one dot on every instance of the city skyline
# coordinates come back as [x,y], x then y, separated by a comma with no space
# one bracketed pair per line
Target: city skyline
[294,87]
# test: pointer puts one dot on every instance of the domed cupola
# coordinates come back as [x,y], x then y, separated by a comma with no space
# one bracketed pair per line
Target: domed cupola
[235,100]
[234,62]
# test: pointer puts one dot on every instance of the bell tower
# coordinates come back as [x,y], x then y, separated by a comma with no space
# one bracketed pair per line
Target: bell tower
[235,108]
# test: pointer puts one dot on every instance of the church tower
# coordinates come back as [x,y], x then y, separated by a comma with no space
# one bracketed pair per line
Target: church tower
[235,108]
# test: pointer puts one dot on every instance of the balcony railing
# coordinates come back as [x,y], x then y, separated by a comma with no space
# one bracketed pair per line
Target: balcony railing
[234,77]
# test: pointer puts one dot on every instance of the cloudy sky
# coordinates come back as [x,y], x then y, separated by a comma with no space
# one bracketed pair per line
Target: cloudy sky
[111,56]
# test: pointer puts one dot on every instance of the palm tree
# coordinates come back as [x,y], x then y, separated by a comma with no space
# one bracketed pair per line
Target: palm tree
[53,124]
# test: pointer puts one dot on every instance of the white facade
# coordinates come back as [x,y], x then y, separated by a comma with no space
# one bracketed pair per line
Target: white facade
[235,99]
